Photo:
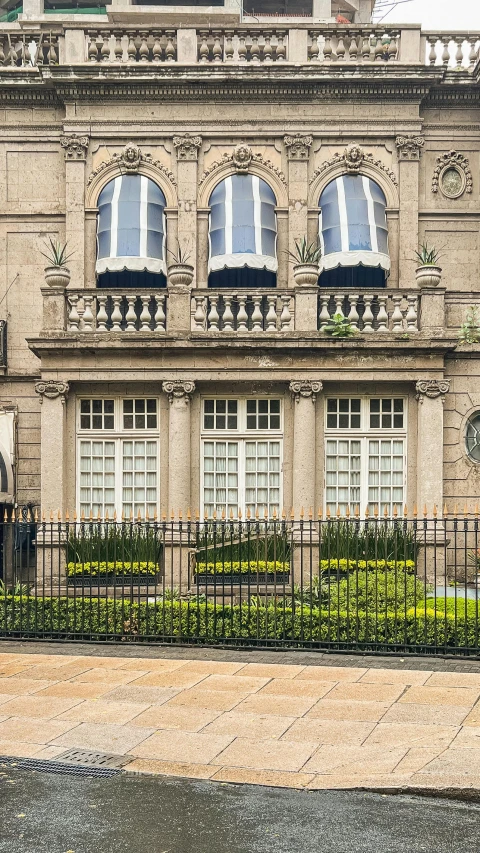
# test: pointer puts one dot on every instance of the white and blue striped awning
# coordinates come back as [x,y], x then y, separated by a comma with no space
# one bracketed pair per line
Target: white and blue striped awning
[353,224]
[243,225]
[131,226]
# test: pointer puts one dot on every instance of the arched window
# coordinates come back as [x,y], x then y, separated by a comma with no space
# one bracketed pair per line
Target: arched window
[242,233]
[131,233]
[472,437]
[353,233]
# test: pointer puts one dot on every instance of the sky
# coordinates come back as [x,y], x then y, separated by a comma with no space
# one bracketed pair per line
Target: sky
[436,14]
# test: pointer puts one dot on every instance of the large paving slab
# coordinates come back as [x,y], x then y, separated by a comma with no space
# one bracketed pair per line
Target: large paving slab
[321,723]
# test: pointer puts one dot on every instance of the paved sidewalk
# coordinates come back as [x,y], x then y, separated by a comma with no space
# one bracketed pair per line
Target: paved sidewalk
[288,724]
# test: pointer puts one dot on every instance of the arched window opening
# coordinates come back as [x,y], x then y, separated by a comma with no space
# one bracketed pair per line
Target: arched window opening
[131,234]
[242,233]
[353,234]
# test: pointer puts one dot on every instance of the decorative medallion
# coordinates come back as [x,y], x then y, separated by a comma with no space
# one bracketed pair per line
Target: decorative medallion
[242,157]
[75,147]
[130,160]
[452,175]
[298,147]
[432,388]
[187,146]
[305,388]
[178,389]
[409,147]
[51,389]
[352,160]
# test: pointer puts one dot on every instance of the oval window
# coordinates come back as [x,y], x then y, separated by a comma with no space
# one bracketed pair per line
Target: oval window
[472,437]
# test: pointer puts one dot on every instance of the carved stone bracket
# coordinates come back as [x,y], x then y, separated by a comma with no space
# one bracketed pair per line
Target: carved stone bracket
[352,161]
[75,147]
[457,162]
[51,389]
[298,147]
[130,161]
[187,146]
[242,158]
[432,388]
[409,147]
[305,388]
[176,389]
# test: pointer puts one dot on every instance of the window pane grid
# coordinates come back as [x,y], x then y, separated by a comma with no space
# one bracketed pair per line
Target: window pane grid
[342,475]
[220,478]
[385,475]
[97,478]
[139,478]
[262,477]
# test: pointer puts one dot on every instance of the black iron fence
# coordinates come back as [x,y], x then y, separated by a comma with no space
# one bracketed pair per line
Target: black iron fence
[377,584]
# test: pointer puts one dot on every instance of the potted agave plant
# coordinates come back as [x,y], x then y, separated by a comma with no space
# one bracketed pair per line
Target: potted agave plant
[306,260]
[57,273]
[429,273]
[180,272]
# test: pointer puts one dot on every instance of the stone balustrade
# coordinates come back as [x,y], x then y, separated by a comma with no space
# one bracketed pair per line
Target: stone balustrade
[116,311]
[244,311]
[244,44]
[377,311]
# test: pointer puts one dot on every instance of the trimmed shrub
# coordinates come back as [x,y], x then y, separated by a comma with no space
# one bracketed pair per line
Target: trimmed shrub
[243,568]
[114,568]
[370,565]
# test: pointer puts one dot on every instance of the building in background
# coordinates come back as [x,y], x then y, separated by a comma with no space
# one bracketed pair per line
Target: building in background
[142,385]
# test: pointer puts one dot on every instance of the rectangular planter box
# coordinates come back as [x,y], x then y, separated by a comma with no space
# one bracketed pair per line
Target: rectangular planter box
[112,580]
[244,579]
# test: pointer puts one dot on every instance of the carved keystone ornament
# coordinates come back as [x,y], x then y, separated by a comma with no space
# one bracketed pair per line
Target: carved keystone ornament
[409,147]
[51,389]
[298,146]
[305,388]
[187,146]
[75,147]
[432,388]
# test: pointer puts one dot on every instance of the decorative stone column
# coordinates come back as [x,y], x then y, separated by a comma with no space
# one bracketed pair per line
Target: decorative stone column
[187,148]
[51,557]
[298,151]
[304,534]
[179,480]
[408,149]
[431,564]
[75,148]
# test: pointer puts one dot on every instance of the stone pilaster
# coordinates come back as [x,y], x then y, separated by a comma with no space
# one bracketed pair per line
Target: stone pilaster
[75,148]
[187,148]
[408,149]
[304,392]
[179,394]
[298,151]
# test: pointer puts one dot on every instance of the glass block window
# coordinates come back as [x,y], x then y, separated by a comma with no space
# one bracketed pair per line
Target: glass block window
[140,414]
[368,468]
[386,413]
[220,414]
[119,474]
[343,413]
[242,473]
[97,414]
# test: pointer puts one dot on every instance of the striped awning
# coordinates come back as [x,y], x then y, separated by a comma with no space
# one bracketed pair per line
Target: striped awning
[7,485]
[131,226]
[353,224]
[243,225]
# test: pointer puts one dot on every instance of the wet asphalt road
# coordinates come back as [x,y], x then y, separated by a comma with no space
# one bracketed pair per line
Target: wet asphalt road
[43,812]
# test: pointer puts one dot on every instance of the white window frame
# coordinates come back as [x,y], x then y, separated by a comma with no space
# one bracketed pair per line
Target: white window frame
[242,436]
[364,434]
[117,435]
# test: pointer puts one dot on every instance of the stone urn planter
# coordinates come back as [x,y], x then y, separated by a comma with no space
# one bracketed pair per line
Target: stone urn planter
[180,275]
[306,275]
[57,276]
[428,275]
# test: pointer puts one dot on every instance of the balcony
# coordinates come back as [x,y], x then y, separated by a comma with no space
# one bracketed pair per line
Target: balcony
[116,311]
[29,46]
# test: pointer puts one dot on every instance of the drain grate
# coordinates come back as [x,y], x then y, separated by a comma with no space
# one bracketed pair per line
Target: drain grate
[103,760]
[40,765]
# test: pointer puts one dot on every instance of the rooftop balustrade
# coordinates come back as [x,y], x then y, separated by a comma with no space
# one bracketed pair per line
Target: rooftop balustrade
[24,45]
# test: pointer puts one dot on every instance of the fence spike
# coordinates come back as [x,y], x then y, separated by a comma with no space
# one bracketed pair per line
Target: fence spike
[385,511]
[347,511]
[367,513]
[164,516]
[319,513]
[292,514]
[357,511]
[476,510]
[35,515]
[197,514]
[434,510]
[43,515]
[172,515]
[249,515]
[155,514]
[274,514]
[425,511]
[214,514]
[83,515]
[265,514]
[301,514]
[375,511]
[147,517]
[180,515]
[114,514]
[405,511]
[310,513]
[395,511]
[67,515]
[415,510]
[338,512]
[465,510]
[257,515]
[5,514]
[328,512]
[91,514]
[240,514]
[123,515]
[131,515]
[51,515]
[189,514]
[205,515]
[445,510]
[223,513]
[284,514]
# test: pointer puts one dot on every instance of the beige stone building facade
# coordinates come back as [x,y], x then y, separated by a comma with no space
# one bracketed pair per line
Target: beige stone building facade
[147,388]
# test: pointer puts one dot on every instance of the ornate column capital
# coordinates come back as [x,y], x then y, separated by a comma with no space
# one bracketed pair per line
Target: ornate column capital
[178,389]
[75,147]
[51,389]
[298,146]
[432,388]
[187,146]
[409,147]
[305,388]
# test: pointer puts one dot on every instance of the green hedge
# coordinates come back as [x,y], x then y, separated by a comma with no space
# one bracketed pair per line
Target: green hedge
[115,567]
[376,591]
[103,618]
[370,565]
[236,568]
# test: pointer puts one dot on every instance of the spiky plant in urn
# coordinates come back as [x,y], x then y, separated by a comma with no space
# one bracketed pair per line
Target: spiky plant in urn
[306,260]
[429,273]
[180,272]
[57,273]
